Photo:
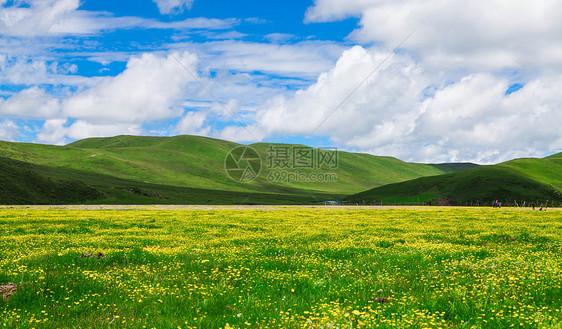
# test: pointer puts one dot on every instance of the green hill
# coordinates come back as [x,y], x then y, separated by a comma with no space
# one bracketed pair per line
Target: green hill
[23,184]
[529,180]
[454,167]
[191,169]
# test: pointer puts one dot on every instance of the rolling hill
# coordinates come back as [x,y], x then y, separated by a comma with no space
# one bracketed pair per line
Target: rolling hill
[184,170]
[22,183]
[520,180]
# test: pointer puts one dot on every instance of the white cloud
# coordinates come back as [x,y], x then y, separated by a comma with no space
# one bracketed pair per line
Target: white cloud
[53,132]
[199,23]
[444,97]
[18,71]
[280,37]
[56,131]
[43,17]
[151,88]
[246,74]
[475,120]
[470,120]
[230,35]
[385,95]
[22,70]
[83,129]
[155,86]
[301,60]
[63,17]
[8,130]
[330,10]
[192,123]
[242,134]
[173,6]
[482,35]
[31,103]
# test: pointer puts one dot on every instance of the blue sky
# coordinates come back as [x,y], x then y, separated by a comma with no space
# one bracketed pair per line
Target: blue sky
[463,87]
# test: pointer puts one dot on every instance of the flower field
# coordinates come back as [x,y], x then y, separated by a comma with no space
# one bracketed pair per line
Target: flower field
[281,267]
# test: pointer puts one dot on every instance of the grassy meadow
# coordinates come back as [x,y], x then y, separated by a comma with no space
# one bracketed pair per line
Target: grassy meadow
[281,267]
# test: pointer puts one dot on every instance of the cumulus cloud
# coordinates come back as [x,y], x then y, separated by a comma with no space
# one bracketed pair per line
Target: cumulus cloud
[471,119]
[192,123]
[443,97]
[31,103]
[53,132]
[156,87]
[173,6]
[56,131]
[474,119]
[385,95]
[44,17]
[150,88]
[8,130]
[242,134]
[480,34]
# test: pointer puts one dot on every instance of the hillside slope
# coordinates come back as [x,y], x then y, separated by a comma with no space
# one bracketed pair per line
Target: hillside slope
[454,167]
[22,183]
[530,180]
[171,169]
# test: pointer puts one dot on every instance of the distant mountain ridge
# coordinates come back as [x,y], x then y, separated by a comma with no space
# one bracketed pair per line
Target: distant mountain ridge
[513,182]
[183,170]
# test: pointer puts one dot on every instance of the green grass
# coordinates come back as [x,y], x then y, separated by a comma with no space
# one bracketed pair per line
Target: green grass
[190,169]
[547,171]
[454,167]
[530,180]
[281,267]
[22,184]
